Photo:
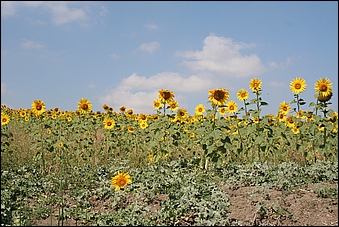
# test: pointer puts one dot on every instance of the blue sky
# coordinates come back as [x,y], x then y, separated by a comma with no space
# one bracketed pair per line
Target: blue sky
[122,53]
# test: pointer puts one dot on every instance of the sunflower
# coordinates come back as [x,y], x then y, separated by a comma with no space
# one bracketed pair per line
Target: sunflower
[105,107]
[298,85]
[84,106]
[109,123]
[165,96]
[23,113]
[121,180]
[38,107]
[129,113]
[122,109]
[131,129]
[182,114]
[60,144]
[222,111]
[231,107]
[143,124]
[157,104]
[295,130]
[142,117]
[290,122]
[5,119]
[284,108]
[321,127]
[218,96]
[255,84]
[173,105]
[323,86]
[200,109]
[242,94]
[323,98]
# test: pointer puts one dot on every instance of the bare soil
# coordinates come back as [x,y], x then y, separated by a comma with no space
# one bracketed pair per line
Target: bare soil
[252,206]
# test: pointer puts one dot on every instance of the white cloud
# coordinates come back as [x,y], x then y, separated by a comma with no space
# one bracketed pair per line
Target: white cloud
[222,55]
[8,8]
[61,12]
[139,92]
[151,26]
[27,44]
[149,47]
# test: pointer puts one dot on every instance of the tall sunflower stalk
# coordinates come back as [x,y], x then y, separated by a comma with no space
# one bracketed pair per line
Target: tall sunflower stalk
[297,86]
[217,97]
[165,96]
[323,88]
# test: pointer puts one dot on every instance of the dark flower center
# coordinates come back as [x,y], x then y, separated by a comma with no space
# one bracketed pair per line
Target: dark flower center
[323,87]
[297,86]
[219,95]
[166,95]
[84,106]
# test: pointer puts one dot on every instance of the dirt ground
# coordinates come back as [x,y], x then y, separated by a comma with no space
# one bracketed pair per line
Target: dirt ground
[254,206]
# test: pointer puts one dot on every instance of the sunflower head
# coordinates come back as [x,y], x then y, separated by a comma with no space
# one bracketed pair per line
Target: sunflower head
[173,105]
[5,119]
[122,109]
[242,94]
[322,98]
[231,107]
[255,84]
[182,114]
[218,96]
[143,124]
[157,104]
[121,180]
[323,87]
[84,106]
[165,96]
[109,123]
[200,109]
[298,85]
[38,107]
[284,108]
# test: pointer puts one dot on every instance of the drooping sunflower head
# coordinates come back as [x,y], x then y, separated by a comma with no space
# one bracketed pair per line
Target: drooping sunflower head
[84,106]
[122,109]
[323,98]
[284,108]
[165,96]
[5,119]
[38,107]
[231,107]
[255,84]
[218,96]
[143,117]
[242,94]
[323,87]
[174,105]
[129,113]
[120,181]
[109,123]
[298,85]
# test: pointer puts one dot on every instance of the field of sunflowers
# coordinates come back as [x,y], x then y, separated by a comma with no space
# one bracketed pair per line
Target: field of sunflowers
[53,162]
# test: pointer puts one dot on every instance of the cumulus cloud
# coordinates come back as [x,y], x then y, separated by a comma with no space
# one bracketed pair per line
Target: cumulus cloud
[5,90]
[61,11]
[150,47]
[223,56]
[139,92]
